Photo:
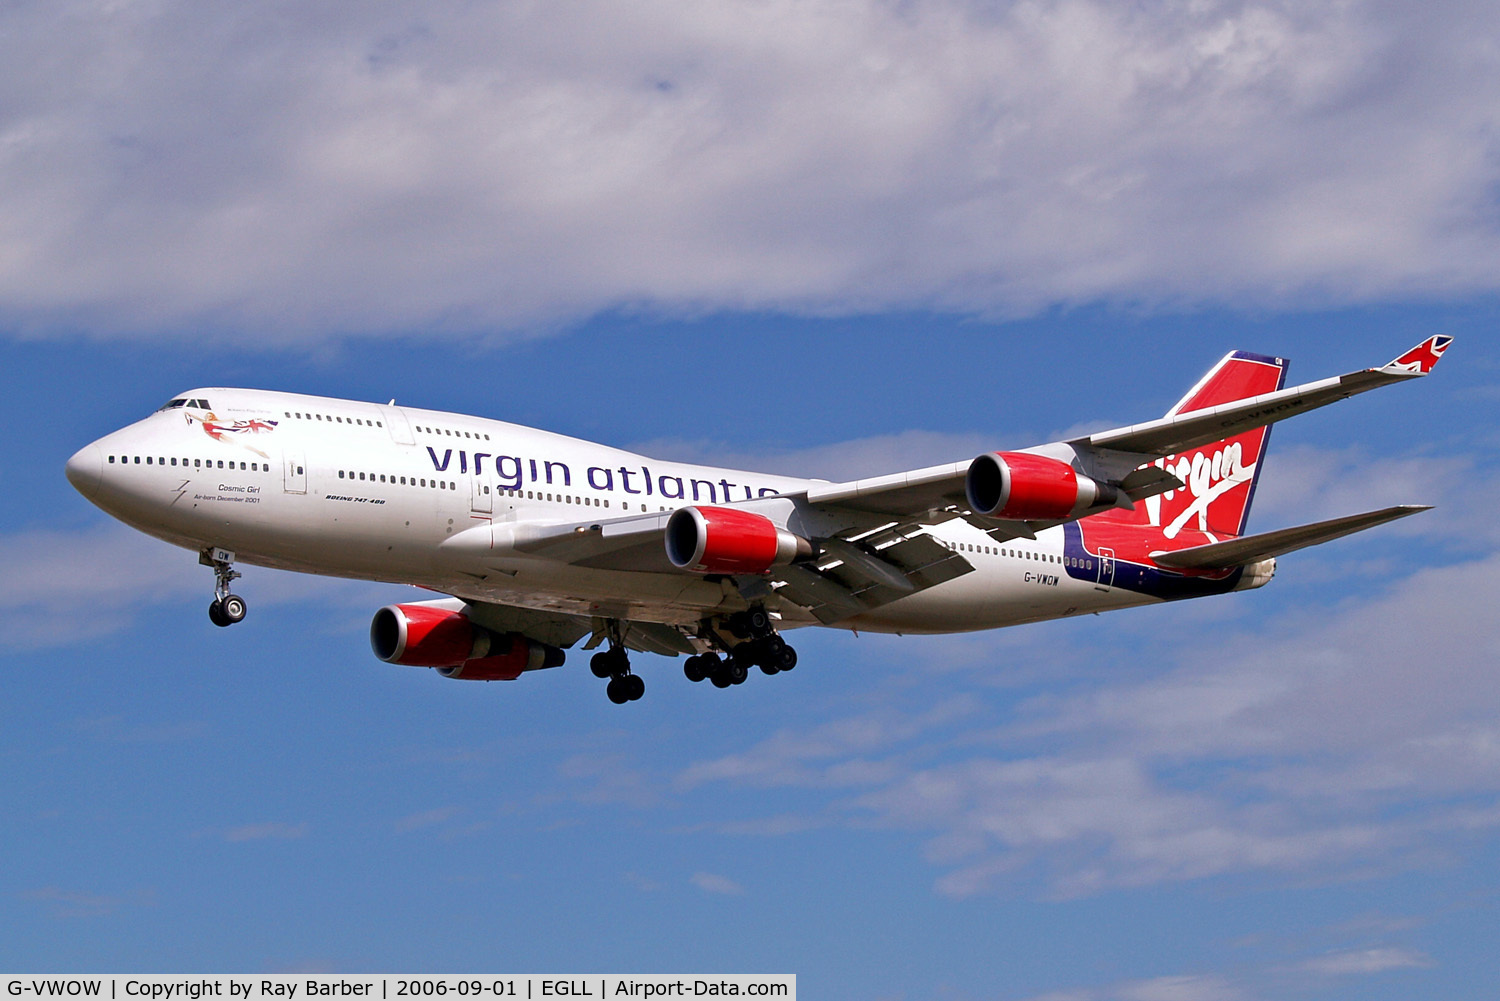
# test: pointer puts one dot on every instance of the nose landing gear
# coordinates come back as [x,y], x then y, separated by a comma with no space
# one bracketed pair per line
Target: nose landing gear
[226,609]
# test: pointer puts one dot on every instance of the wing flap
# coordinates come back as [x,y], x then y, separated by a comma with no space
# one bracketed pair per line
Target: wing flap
[1253,548]
[842,584]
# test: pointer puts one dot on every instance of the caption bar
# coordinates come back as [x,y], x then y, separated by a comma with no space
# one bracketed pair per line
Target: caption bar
[391,987]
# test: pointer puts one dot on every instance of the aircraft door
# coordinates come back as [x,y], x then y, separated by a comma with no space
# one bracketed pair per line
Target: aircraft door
[397,424]
[296,471]
[483,494]
[1106,567]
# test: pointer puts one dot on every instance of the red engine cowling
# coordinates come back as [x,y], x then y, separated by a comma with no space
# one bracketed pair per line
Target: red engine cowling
[1019,486]
[432,636]
[727,540]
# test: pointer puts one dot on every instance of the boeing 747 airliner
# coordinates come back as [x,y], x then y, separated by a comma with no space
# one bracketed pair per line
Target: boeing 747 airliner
[544,541]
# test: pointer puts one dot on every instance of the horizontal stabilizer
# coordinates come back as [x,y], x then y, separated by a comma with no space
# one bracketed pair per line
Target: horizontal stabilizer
[1253,548]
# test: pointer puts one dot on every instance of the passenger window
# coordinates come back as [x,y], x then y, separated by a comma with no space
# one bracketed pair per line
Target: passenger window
[111,460]
[137,460]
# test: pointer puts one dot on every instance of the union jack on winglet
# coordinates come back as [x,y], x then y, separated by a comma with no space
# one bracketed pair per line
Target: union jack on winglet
[1420,359]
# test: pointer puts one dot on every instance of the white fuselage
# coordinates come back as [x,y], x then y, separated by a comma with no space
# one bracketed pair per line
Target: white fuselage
[437,500]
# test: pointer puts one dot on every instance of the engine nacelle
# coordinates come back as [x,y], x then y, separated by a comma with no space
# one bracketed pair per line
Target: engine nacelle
[1019,486]
[727,540]
[431,636]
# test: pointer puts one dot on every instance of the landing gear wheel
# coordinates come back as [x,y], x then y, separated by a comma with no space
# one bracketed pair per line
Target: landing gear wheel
[695,669]
[720,678]
[785,658]
[617,691]
[736,672]
[634,686]
[227,609]
[233,609]
[602,665]
[759,621]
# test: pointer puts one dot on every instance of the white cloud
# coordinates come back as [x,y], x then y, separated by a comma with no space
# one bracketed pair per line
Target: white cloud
[61,903]
[1366,961]
[428,818]
[1307,483]
[1173,988]
[60,588]
[711,883]
[271,830]
[1341,740]
[390,167]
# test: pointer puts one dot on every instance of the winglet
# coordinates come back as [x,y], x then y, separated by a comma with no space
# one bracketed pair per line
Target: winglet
[1420,359]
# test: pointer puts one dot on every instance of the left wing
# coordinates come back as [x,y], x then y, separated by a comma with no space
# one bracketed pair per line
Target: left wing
[861,544]
[1116,456]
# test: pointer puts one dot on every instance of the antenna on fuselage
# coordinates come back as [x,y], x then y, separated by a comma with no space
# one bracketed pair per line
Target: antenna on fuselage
[392,403]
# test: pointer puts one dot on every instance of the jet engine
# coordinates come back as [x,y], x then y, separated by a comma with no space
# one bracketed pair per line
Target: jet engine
[432,636]
[1019,486]
[727,540]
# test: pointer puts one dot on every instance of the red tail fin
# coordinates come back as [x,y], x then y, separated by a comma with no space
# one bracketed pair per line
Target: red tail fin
[1220,477]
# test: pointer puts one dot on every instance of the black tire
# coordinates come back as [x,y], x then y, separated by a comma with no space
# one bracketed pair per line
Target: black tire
[736,672]
[767,667]
[233,608]
[216,613]
[600,664]
[759,620]
[617,692]
[786,658]
[634,686]
[720,678]
[695,669]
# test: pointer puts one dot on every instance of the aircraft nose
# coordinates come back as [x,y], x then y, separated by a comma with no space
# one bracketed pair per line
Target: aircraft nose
[85,469]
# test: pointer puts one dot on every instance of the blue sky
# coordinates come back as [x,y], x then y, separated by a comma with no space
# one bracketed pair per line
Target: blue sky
[830,239]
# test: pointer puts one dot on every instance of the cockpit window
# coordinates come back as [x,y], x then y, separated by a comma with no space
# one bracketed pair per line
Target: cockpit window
[184,402]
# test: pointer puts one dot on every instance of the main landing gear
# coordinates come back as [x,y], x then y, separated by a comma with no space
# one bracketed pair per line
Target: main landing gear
[760,646]
[614,664]
[226,609]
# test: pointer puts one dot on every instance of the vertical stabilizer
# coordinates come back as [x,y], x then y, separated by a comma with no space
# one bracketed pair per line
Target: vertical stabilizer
[1220,476]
